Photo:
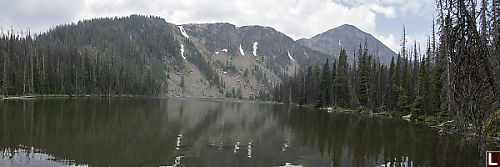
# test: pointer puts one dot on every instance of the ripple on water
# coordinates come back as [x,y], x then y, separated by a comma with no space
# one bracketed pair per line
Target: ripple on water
[249,149]
[236,147]
[179,138]
[406,162]
[285,146]
[288,164]
[177,162]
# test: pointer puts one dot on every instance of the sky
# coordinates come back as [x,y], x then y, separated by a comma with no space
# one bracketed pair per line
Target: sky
[384,19]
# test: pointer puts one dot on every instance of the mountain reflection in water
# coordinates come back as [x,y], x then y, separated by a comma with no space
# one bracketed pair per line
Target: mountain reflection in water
[190,132]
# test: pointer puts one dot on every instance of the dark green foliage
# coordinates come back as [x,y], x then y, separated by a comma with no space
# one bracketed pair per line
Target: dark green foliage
[363,76]
[390,95]
[341,81]
[323,96]
[369,85]
[127,55]
[317,85]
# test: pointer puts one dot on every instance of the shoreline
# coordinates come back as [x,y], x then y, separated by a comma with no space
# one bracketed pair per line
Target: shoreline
[214,99]
[38,96]
[438,123]
[441,125]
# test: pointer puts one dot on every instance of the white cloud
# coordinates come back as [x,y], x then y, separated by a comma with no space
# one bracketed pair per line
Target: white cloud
[394,41]
[404,7]
[387,11]
[389,41]
[300,18]
[296,18]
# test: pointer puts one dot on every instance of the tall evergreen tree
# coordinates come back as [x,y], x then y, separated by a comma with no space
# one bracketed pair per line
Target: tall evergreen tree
[318,92]
[325,86]
[341,80]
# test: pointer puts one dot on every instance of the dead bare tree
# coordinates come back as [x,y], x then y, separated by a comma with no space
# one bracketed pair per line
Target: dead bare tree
[470,71]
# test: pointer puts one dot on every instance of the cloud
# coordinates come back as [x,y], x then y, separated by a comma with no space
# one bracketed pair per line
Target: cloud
[296,18]
[394,42]
[400,7]
[389,41]
[37,15]
[387,11]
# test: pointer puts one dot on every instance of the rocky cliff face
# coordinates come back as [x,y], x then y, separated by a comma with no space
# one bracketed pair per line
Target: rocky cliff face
[249,58]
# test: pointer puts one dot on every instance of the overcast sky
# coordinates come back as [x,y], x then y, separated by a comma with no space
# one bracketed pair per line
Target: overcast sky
[297,18]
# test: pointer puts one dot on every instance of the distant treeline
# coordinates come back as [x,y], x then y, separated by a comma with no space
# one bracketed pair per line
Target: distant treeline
[408,85]
[455,77]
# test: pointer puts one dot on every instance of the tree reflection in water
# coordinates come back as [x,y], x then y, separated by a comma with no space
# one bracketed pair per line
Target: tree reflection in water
[147,132]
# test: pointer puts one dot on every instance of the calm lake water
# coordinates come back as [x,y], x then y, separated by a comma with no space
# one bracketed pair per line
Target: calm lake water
[188,132]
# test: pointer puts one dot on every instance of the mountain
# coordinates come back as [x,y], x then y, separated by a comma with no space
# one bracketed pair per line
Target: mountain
[250,58]
[348,37]
[145,55]
[271,47]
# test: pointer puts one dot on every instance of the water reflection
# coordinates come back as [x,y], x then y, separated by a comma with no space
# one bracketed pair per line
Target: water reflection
[177,132]
[249,149]
[236,147]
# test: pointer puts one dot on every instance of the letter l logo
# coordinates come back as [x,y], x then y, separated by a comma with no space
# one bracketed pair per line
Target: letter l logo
[489,160]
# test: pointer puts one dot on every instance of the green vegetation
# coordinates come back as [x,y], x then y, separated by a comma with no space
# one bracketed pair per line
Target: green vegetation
[112,56]
[452,80]
[493,126]
[101,56]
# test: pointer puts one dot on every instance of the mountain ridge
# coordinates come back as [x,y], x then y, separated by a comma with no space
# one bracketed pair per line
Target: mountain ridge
[146,55]
[350,38]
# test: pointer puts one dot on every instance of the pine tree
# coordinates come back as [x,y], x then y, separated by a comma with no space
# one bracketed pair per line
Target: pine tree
[420,105]
[390,86]
[396,88]
[341,80]
[363,78]
[318,91]
[333,94]
[325,85]
[309,86]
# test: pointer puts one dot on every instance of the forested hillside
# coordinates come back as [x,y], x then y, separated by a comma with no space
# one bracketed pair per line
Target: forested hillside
[114,56]
[99,56]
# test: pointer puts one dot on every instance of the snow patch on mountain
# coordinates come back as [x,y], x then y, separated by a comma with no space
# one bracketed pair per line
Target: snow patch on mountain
[290,57]
[183,32]
[182,52]
[241,51]
[255,48]
[224,50]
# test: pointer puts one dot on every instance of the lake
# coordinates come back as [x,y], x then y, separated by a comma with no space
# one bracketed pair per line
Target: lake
[194,132]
